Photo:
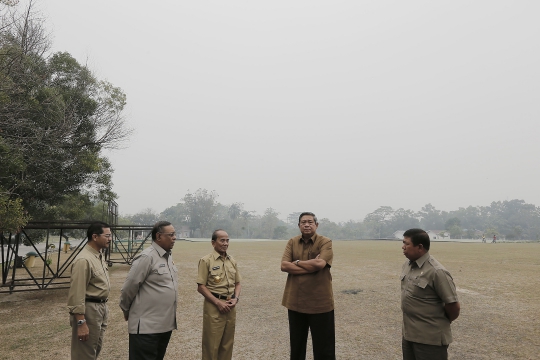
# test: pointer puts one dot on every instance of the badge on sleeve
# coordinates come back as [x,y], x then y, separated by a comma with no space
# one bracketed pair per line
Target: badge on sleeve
[215,267]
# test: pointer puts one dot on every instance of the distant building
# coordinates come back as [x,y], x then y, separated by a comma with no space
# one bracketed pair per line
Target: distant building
[438,234]
[398,234]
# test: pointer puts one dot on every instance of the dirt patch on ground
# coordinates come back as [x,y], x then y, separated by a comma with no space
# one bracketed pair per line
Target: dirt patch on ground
[498,285]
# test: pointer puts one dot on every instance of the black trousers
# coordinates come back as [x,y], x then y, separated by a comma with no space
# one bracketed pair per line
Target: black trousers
[323,336]
[417,351]
[148,346]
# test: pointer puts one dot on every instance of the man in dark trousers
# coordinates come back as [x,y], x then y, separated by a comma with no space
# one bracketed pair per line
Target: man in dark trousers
[149,296]
[308,294]
[428,300]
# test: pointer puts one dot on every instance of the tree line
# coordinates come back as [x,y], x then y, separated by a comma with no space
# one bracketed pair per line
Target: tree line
[201,213]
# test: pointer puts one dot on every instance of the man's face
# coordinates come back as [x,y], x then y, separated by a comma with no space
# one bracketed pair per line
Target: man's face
[166,237]
[410,251]
[102,240]
[221,244]
[307,225]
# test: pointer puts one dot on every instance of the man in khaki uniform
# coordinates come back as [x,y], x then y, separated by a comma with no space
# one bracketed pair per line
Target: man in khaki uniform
[219,282]
[308,294]
[428,300]
[88,294]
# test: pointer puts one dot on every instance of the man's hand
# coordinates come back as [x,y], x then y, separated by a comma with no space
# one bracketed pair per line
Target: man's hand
[452,311]
[232,302]
[83,333]
[223,307]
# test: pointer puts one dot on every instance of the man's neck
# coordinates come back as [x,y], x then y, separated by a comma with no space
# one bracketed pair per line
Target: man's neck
[94,246]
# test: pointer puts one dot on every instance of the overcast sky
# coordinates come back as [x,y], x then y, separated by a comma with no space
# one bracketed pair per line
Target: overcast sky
[335,107]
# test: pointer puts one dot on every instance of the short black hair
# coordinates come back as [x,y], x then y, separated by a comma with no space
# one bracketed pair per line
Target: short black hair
[158,227]
[418,236]
[214,234]
[96,228]
[310,214]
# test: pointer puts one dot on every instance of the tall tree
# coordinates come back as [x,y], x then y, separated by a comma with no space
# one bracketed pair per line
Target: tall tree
[269,221]
[55,120]
[145,217]
[201,206]
[380,218]
[235,210]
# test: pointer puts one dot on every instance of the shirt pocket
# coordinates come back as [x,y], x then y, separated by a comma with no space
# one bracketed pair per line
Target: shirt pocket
[231,271]
[418,288]
[216,276]
[97,272]
[161,276]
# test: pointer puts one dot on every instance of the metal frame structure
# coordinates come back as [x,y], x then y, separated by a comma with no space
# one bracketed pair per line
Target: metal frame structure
[53,274]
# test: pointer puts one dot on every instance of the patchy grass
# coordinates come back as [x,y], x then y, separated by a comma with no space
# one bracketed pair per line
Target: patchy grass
[498,286]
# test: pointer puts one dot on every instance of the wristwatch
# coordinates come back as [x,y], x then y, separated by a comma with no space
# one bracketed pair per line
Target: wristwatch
[80,322]
[296,262]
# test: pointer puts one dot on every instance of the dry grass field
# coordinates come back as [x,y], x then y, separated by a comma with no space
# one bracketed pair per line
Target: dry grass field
[498,285]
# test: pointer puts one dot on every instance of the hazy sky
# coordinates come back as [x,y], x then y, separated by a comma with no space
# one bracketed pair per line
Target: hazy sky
[335,107]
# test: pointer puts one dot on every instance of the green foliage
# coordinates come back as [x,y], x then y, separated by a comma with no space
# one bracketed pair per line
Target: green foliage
[145,217]
[280,232]
[55,120]
[12,214]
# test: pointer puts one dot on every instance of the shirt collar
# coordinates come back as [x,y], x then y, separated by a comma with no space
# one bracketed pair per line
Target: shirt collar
[93,251]
[159,249]
[421,260]
[312,239]
[216,255]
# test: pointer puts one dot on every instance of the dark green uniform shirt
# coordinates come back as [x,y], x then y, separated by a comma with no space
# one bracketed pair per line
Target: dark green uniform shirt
[425,287]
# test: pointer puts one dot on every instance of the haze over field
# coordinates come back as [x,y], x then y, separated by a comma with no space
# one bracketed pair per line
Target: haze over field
[332,107]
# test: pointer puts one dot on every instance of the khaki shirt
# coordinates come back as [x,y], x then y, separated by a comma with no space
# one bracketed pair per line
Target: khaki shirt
[149,294]
[89,279]
[309,293]
[220,275]
[425,287]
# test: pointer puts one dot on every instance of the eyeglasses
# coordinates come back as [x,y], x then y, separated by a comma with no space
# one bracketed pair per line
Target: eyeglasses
[171,234]
[106,235]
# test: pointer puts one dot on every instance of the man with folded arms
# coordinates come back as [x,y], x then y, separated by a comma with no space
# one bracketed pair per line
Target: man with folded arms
[308,294]
[148,297]
[219,282]
[88,294]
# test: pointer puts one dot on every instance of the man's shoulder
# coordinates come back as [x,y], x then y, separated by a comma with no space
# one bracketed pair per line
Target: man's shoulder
[207,257]
[437,266]
[295,238]
[322,239]
[85,255]
[148,252]
[232,259]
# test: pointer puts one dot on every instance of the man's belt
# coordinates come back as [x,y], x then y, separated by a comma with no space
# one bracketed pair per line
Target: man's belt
[223,297]
[99,301]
